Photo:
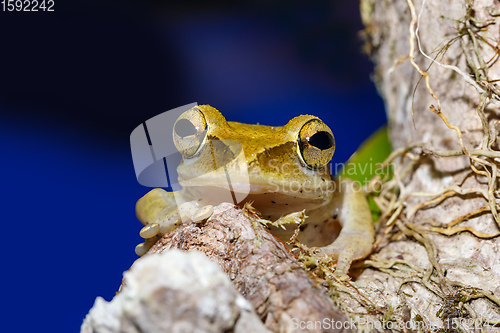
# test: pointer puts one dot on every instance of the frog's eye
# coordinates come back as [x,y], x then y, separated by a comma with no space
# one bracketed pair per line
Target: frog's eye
[189,132]
[316,144]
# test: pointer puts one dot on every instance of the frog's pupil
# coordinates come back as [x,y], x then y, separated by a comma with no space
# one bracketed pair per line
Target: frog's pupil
[322,140]
[184,128]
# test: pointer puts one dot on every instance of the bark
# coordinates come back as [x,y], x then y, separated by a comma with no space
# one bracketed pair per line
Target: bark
[419,273]
[259,265]
[174,292]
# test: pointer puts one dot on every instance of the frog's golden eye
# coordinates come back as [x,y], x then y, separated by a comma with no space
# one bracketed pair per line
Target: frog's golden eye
[316,144]
[189,132]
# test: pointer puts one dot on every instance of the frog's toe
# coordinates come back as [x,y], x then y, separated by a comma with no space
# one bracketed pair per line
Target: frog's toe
[343,253]
[343,258]
[341,275]
[203,213]
[150,230]
[344,261]
[142,248]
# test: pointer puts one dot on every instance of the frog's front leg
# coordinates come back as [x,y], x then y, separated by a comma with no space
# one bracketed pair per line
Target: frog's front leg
[160,212]
[157,210]
[356,238]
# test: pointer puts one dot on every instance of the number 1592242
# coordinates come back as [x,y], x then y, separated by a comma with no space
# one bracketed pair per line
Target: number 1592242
[27,5]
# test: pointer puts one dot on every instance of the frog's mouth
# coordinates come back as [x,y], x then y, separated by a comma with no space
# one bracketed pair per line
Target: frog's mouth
[242,188]
[269,201]
[243,181]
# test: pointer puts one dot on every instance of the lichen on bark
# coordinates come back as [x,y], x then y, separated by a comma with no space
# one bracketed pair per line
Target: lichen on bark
[436,261]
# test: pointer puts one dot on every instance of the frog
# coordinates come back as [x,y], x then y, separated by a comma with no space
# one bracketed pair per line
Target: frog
[280,170]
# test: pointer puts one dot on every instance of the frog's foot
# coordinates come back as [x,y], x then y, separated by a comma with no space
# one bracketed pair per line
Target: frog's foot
[142,248]
[343,258]
[345,249]
[202,213]
[152,204]
[167,219]
[150,230]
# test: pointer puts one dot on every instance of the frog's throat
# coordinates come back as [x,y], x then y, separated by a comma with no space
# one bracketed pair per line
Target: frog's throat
[288,188]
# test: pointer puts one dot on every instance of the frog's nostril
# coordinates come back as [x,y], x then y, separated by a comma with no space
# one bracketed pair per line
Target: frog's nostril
[184,127]
[322,140]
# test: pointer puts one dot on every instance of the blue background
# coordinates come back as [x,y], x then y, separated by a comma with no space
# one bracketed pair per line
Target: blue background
[74,84]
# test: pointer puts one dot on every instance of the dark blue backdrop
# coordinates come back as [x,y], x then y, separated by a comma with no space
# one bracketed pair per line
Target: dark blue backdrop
[73,85]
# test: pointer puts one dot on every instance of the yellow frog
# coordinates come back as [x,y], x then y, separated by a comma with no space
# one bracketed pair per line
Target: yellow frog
[282,170]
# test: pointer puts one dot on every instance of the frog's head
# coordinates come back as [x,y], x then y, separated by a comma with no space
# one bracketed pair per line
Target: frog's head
[289,161]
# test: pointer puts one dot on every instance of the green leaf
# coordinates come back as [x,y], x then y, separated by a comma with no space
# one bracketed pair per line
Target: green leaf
[363,164]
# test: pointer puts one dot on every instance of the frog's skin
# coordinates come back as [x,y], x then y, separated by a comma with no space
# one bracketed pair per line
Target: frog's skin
[287,171]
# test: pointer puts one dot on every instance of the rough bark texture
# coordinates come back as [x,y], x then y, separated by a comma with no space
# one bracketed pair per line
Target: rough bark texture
[441,294]
[174,292]
[259,265]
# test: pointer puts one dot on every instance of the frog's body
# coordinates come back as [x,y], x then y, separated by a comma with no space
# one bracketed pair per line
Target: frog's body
[281,170]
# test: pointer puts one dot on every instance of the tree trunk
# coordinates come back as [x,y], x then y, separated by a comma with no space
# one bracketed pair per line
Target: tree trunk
[436,262]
